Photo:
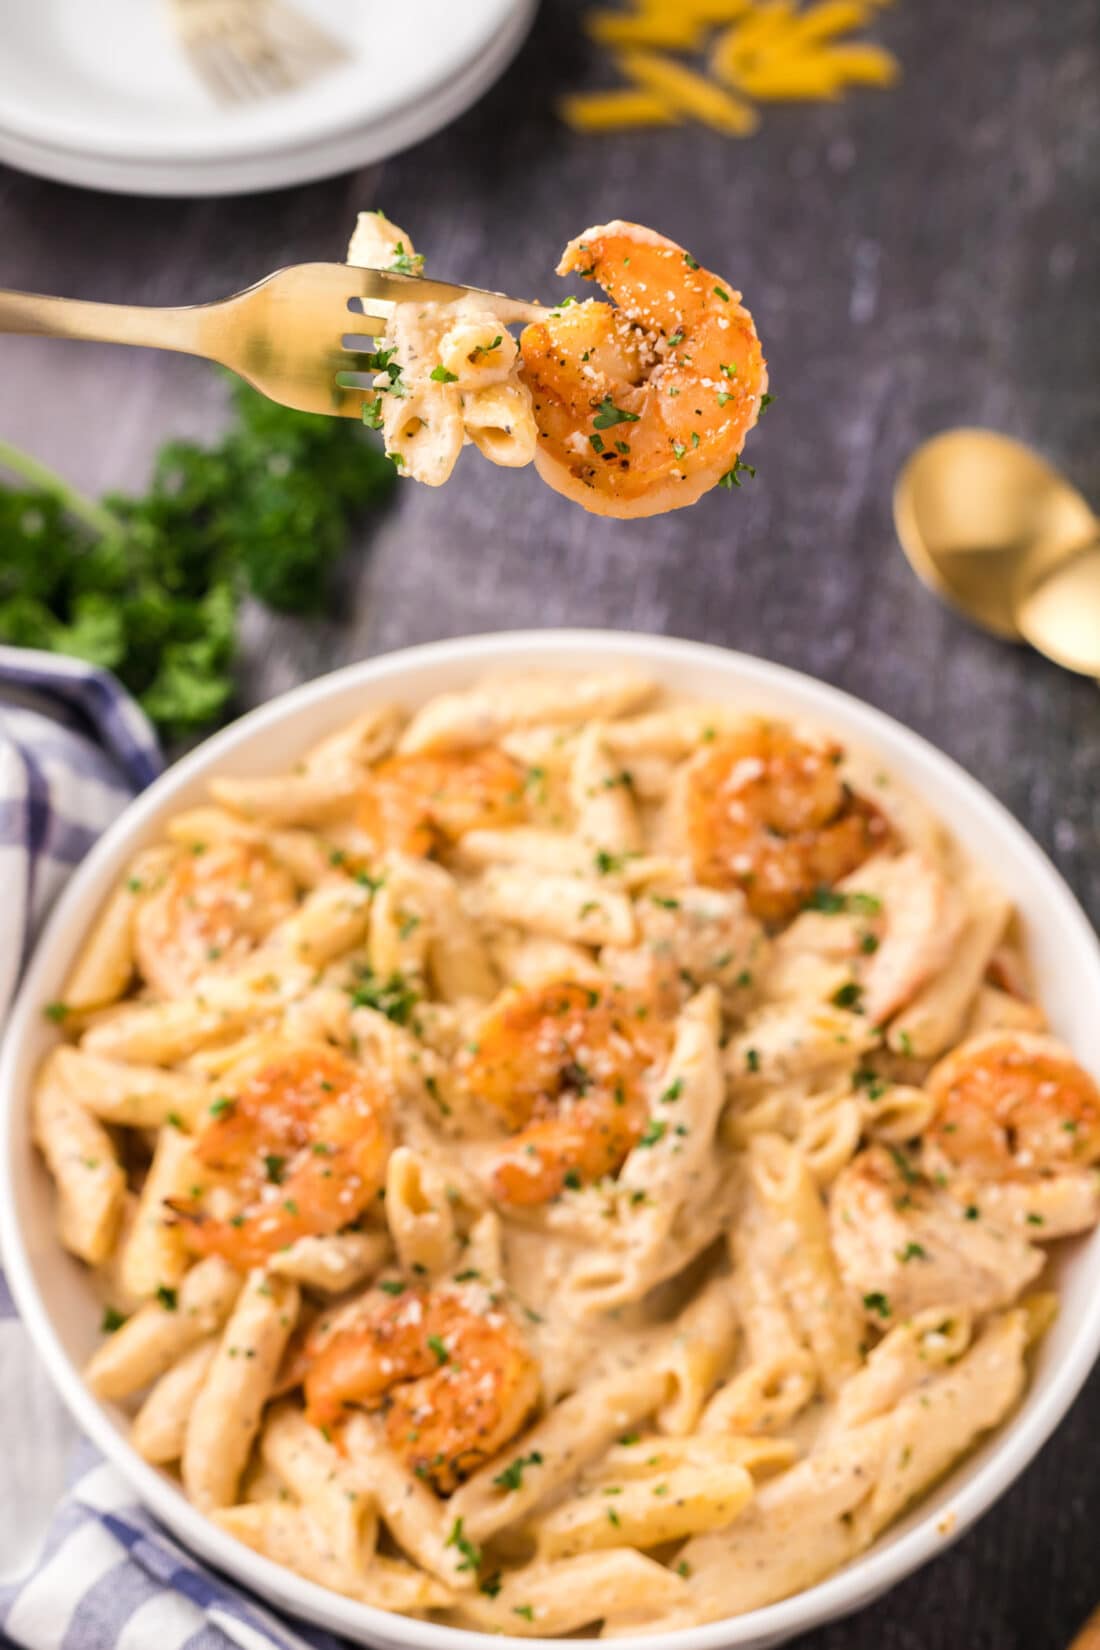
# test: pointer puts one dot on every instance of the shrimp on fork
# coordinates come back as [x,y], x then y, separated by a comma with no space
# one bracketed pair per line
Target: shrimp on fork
[644,404]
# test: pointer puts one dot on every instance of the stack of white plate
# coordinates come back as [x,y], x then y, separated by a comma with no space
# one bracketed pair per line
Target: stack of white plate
[99,93]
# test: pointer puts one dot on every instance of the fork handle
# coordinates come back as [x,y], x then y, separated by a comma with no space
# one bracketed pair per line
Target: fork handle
[31,312]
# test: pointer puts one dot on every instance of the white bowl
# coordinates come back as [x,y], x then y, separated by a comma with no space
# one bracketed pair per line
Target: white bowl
[57,1305]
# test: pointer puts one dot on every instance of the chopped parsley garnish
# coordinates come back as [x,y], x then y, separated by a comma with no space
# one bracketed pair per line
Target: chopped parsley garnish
[572,1179]
[224,1103]
[168,1298]
[679,449]
[765,402]
[732,477]
[391,1286]
[524,1610]
[112,1319]
[676,338]
[903,1166]
[849,995]
[609,415]
[876,1301]
[471,1555]
[972,1212]
[826,900]
[721,292]
[491,1585]
[868,943]
[728,369]
[606,863]
[673,1092]
[487,349]
[596,443]
[440,375]
[405,263]
[613,1517]
[394,997]
[655,1130]
[630,1438]
[913,1251]
[273,1167]
[865,1078]
[512,1476]
[723,397]
[692,263]
[752,1059]
[56,1012]
[442,1357]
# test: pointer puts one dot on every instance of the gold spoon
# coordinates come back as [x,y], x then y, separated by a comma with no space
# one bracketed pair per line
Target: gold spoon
[998,533]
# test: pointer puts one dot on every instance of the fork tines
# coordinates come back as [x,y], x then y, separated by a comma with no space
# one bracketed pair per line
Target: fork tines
[246,50]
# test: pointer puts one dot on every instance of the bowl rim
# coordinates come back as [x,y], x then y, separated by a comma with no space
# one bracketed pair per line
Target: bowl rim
[868,1575]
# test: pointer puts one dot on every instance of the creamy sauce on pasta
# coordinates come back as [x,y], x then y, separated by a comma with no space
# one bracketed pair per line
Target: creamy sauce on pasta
[562,1157]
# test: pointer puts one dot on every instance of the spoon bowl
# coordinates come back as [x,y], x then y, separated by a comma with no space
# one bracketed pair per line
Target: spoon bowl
[983,520]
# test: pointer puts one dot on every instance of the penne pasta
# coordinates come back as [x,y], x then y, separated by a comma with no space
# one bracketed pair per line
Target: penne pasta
[162,1331]
[537,1187]
[225,1415]
[160,1425]
[88,1177]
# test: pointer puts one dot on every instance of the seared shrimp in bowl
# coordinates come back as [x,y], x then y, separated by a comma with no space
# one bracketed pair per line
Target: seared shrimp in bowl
[446,1365]
[643,404]
[618,1114]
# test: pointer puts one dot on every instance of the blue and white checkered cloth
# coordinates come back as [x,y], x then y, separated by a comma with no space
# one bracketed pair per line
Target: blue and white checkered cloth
[82,1565]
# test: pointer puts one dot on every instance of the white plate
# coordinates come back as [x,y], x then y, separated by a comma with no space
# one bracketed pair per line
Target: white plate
[62,1314]
[180,143]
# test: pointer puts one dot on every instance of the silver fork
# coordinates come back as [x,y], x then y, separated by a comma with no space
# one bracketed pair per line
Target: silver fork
[301,335]
[247,50]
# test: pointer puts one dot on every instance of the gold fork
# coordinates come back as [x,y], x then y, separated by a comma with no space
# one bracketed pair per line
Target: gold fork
[300,335]
[246,50]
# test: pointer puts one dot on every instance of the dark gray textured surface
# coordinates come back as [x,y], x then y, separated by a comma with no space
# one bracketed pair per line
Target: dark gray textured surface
[914,259]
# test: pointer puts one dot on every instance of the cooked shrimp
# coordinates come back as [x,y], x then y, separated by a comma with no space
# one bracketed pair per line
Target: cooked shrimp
[562,1064]
[1013,1106]
[215,904]
[644,404]
[904,1243]
[298,1147]
[769,813]
[447,1365]
[414,802]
